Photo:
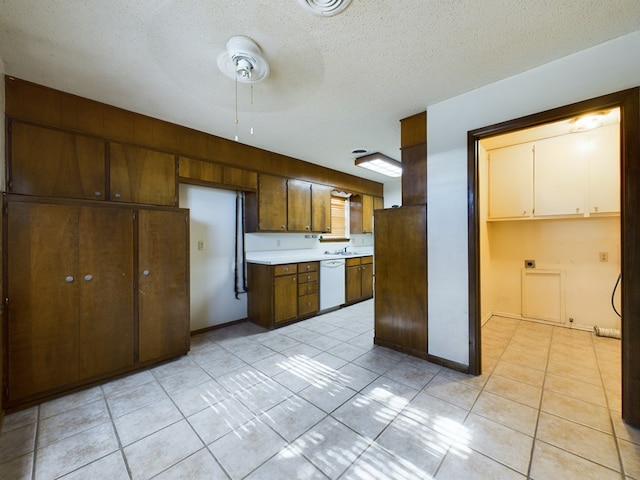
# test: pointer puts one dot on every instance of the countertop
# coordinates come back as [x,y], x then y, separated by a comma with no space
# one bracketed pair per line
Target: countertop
[279,257]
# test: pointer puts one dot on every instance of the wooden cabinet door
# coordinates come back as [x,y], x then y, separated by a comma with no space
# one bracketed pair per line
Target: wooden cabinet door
[105,277]
[511,182]
[367,214]
[367,279]
[401,309]
[353,283]
[272,203]
[355,214]
[285,298]
[140,175]
[47,162]
[298,206]
[163,283]
[321,208]
[42,287]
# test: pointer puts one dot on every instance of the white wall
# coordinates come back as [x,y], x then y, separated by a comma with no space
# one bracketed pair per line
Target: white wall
[603,69]
[392,193]
[212,213]
[569,245]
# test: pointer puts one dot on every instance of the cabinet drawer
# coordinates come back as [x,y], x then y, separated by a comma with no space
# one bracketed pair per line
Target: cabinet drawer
[307,277]
[308,267]
[366,260]
[287,269]
[353,262]
[308,304]
[307,288]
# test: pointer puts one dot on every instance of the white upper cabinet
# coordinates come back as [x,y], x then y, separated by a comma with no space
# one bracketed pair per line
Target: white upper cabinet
[567,176]
[560,176]
[604,170]
[511,182]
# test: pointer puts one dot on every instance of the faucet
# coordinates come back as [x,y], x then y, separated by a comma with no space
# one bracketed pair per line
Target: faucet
[344,250]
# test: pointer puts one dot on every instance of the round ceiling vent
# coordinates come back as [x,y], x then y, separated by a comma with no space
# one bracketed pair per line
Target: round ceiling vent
[324,8]
[243,60]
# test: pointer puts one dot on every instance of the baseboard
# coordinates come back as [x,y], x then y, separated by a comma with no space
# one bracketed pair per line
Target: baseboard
[217,327]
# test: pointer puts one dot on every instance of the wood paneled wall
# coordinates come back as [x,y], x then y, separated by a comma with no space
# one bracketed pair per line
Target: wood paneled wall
[35,103]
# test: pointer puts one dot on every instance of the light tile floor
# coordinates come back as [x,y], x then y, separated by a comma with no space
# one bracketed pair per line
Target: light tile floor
[318,400]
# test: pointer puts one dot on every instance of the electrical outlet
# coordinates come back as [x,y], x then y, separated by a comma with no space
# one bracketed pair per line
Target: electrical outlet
[278,243]
[529,264]
[604,256]
[200,244]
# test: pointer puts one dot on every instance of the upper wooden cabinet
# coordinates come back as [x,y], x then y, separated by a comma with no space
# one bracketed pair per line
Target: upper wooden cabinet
[270,212]
[288,205]
[298,206]
[237,177]
[200,170]
[140,175]
[413,144]
[361,212]
[43,161]
[321,208]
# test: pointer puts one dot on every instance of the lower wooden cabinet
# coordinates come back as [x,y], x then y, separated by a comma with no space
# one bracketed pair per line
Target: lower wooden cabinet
[71,293]
[359,279]
[280,294]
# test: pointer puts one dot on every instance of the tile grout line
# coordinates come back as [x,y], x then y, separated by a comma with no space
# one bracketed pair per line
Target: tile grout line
[606,399]
[544,382]
[35,443]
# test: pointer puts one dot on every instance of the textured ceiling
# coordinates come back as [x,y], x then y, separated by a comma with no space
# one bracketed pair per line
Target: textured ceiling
[336,83]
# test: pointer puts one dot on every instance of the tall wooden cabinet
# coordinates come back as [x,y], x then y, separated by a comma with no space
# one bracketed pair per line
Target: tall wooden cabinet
[71,293]
[163,289]
[401,289]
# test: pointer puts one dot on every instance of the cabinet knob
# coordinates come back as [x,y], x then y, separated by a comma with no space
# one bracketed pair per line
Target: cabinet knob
[308,267]
[69,279]
[116,195]
[97,194]
[286,269]
[308,304]
[88,277]
[293,279]
[283,227]
[328,229]
[145,273]
[307,227]
[308,278]
[577,210]
[595,209]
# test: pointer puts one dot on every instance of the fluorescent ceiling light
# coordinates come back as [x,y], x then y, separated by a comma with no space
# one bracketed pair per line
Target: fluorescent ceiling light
[380,163]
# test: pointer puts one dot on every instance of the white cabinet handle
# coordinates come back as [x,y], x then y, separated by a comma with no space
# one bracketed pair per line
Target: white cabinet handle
[88,277]
[69,279]
[145,273]
[116,195]
[97,194]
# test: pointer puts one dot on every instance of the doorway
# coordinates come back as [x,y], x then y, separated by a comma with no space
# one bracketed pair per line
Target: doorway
[629,103]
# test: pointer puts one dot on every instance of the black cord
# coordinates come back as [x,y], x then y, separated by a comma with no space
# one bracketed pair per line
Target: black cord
[613,294]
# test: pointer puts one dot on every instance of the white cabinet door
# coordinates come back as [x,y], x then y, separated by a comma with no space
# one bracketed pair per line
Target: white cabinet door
[511,182]
[560,176]
[604,170]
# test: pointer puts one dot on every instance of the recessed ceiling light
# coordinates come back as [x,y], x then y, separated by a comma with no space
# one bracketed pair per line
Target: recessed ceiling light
[324,8]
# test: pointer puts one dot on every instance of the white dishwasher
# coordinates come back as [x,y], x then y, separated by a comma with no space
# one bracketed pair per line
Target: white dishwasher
[331,283]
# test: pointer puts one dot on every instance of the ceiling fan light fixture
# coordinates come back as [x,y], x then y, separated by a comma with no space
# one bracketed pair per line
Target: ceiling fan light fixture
[324,8]
[379,163]
[242,60]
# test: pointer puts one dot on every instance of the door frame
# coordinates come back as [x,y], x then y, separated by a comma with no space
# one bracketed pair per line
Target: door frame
[629,103]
